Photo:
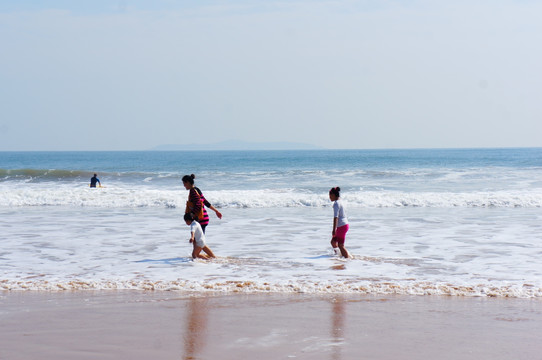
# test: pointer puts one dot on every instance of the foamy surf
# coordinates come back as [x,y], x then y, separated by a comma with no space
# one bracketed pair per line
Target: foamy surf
[434,222]
[115,196]
[238,286]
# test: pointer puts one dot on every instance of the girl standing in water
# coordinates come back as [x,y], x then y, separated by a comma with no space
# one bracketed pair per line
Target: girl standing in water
[340,222]
[197,202]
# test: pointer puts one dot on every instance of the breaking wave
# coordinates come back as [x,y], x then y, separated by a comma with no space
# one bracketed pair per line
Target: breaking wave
[21,196]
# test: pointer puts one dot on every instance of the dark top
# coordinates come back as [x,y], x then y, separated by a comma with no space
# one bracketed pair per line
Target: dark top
[93,181]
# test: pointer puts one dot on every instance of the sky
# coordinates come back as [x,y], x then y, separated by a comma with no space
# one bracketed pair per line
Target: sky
[132,75]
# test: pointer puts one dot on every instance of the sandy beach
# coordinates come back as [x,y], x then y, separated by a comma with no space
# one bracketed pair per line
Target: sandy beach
[176,325]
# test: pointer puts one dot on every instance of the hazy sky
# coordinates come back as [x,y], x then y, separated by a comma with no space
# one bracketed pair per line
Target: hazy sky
[130,75]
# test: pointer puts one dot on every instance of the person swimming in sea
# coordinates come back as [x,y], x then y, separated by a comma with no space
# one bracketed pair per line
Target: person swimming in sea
[94,180]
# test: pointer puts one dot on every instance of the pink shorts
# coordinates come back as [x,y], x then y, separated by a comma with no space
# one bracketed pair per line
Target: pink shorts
[340,233]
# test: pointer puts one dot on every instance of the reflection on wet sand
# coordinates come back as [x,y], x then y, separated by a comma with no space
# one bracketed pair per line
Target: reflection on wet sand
[337,327]
[196,327]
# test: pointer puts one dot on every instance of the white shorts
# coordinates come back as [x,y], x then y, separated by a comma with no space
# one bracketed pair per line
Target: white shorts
[200,242]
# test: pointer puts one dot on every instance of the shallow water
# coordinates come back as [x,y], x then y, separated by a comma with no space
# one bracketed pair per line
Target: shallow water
[422,222]
[491,252]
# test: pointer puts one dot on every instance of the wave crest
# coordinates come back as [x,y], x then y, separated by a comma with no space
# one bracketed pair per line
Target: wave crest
[147,197]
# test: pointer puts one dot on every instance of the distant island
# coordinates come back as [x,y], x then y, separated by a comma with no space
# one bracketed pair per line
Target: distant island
[238,146]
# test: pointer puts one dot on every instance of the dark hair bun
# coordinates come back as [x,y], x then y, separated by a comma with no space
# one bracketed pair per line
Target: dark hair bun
[335,191]
[189,179]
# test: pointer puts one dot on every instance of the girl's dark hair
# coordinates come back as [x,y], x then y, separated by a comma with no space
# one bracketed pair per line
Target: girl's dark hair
[335,191]
[189,179]
[188,217]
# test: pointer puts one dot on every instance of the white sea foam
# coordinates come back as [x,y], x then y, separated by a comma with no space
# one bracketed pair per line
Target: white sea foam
[465,223]
[422,251]
[375,288]
[120,197]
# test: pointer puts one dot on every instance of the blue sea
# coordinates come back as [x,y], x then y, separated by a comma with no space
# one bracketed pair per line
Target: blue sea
[464,222]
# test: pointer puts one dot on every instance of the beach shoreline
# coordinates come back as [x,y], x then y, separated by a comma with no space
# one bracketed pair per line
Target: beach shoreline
[115,324]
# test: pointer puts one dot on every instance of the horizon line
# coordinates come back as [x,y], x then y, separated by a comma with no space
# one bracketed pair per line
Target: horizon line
[286,149]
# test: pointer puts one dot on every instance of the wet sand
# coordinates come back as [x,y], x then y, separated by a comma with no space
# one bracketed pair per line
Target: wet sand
[174,325]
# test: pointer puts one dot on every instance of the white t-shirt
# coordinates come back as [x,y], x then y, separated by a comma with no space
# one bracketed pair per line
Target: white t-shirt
[199,236]
[338,212]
